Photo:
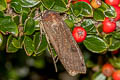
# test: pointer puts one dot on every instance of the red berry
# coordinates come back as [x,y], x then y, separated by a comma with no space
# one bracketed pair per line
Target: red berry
[87,1]
[116,75]
[112,2]
[115,52]
[79,34]
[107,69]
[117,9]
[108,26]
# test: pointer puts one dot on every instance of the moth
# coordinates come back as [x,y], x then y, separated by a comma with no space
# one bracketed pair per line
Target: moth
[61,38]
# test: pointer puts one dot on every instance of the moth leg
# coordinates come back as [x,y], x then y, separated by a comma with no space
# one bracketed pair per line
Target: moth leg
[49,47]
[51,53]
[56,59]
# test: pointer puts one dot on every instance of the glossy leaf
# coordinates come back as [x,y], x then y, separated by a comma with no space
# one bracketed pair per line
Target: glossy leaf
[3,5]
[8,26]
[10,48]
[82,8]
[48,3]
[110,12]
[95,44]
[16,43]
[88,25]
[59,6]
[29,3]
[69,23]
[28,46]
[98,15]
[16,6]
[104,7]
[115,45]
[116,35]
[29,27]
[40,43]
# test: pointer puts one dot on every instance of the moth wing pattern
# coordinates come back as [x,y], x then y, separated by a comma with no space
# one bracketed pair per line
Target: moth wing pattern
[63,42]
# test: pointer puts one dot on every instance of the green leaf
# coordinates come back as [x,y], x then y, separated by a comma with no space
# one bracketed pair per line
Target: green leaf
[116,35]
[98,15]
[29,27]
[8,26]
[82,8]
[59,6]
[103,7]
[3,5]
[69,23]
[29,3]
[28,46]
[87,24]
[115,45]
[110,12]
[115,62]
[95,44]
[1,39]
[24,17]
[10,48]
[16,6]
[48,3]
[40,43]
[75,19]
[16,43]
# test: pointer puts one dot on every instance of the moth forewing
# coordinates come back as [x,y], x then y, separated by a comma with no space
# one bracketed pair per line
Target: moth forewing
[63,42]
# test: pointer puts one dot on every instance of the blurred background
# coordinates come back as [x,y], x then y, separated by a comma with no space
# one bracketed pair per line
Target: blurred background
[19,66]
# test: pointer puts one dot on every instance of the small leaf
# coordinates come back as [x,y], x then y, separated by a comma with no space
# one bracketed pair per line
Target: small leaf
[82,8]
[16,43]
[115,45]
[59,6]
[98,15]
[28,46]
[95,44]
[29,27]
[69,23]
[88,25]
[7,25]
[10,48]
[116,35]
[3,5]
[29,3]
[48,3]
[110,12]
[16,6]
[104,7]
[40,43]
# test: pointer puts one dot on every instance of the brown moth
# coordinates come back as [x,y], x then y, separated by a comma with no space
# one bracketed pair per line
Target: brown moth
[63,42]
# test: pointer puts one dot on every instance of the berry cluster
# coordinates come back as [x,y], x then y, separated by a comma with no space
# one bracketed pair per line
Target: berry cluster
[109,70]
[109,24]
